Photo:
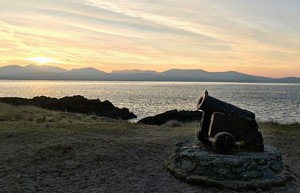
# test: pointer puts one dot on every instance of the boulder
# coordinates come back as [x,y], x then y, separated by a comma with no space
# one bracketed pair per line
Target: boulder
[75,104]
[180,116]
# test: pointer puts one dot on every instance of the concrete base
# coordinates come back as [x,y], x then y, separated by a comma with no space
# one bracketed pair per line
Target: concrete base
[194,163]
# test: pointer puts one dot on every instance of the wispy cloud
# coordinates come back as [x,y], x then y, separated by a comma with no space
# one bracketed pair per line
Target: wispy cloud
[213,35]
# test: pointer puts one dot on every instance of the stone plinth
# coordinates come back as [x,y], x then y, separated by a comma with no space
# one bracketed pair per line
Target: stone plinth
[194,163]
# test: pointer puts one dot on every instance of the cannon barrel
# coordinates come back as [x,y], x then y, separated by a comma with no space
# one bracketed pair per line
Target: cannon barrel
[223,124]
[209,104]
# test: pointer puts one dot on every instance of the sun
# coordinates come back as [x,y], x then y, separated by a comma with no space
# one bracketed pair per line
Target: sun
[41,60]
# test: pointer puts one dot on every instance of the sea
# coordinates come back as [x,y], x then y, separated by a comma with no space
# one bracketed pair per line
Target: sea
[270,102]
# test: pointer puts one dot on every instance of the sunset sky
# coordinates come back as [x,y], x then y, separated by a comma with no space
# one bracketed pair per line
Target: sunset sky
[250,36]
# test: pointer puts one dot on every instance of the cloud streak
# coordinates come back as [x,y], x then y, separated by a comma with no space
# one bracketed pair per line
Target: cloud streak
[255,38]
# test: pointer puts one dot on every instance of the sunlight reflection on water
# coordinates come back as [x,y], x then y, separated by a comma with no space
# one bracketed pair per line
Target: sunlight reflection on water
[270,102]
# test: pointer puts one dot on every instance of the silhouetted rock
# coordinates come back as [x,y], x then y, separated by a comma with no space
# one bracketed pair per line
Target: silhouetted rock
[181,116]
[75,104]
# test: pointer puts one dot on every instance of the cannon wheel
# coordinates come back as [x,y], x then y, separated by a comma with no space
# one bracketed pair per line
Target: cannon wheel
[224,142]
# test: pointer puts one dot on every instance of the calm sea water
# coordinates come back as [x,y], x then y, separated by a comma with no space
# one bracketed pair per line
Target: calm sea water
[270,102]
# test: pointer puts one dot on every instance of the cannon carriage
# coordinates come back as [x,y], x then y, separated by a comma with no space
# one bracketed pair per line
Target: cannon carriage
[225,127]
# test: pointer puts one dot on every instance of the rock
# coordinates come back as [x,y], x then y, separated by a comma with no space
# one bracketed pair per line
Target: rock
[277,166]
[187,164]
[196,164]
[267,173]
[74,104]
[180,116]
[234,162]
[238,170]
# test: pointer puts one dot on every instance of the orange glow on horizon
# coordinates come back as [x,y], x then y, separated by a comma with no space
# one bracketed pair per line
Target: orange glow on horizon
[41,60]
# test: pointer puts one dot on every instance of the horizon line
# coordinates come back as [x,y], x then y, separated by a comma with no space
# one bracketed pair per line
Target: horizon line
[124,70]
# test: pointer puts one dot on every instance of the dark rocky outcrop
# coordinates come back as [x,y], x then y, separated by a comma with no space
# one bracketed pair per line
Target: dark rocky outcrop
[75,104]
[181,116]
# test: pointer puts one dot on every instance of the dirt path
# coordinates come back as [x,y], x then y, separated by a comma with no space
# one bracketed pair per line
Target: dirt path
[108,156]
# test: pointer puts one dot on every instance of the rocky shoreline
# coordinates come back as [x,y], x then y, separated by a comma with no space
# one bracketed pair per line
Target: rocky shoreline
[80,104]
[182,116]
[74,104]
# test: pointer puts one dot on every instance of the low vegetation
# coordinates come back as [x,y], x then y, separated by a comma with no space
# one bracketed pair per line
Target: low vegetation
[39,115]
[47,151]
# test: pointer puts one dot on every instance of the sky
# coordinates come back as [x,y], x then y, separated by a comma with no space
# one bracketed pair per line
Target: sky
[250,36]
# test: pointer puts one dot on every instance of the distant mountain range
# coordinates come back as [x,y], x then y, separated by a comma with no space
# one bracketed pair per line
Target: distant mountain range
[35,72]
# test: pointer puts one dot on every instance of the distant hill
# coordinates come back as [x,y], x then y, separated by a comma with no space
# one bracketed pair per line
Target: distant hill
[15,70]
[201,75]
[34,72]
[135,71]
[85,74]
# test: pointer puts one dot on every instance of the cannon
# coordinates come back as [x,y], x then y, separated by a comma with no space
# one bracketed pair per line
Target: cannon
[225,127]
